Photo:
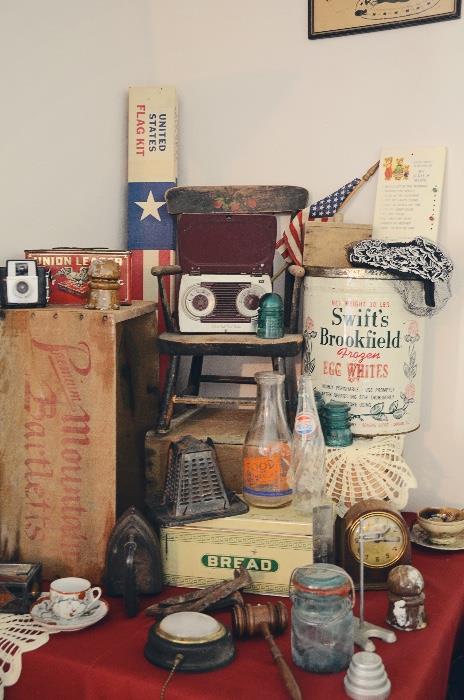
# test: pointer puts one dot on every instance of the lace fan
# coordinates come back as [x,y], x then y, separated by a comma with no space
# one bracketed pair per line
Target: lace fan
[18,634]
[369,468]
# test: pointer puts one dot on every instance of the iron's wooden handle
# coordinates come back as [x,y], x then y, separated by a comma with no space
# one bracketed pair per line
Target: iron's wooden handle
[284,669]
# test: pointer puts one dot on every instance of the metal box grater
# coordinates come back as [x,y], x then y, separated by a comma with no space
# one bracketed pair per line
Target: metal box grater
[194,488]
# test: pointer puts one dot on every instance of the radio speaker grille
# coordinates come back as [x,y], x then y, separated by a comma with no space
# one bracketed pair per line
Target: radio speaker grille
[225,310]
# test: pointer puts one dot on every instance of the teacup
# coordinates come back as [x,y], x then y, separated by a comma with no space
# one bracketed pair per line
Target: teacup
[71,597]
[442,525]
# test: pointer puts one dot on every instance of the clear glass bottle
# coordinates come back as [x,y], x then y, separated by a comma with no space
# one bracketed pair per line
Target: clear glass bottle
[267,474]
[308,454]
[322,618]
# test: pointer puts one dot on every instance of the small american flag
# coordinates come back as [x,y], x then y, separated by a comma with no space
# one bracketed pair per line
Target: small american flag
[290,245]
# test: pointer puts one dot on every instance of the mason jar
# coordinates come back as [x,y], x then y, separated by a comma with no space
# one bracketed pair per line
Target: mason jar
[322,632]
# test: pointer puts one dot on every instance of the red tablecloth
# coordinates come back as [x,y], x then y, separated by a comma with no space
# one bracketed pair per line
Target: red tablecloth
[106,661]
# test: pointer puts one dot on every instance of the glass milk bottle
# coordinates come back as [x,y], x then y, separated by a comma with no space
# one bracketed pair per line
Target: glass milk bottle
[308,454]
[267,475]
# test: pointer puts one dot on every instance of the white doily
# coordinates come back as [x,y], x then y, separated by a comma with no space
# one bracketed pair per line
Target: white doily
[369,468]
[18,633]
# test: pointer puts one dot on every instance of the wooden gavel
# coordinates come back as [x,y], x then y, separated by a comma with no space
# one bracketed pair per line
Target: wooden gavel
[264,619]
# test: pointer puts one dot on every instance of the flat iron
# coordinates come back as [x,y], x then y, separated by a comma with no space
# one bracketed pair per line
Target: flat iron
[133,560]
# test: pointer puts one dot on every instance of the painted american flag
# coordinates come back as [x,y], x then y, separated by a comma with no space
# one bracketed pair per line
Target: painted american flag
[145,286]
[290,245]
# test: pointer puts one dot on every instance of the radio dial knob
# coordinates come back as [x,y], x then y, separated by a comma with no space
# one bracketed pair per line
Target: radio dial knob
[248,301]
[199,301]
[251,302]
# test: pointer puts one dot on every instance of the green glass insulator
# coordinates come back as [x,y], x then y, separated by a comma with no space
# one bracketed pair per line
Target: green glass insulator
[270,316]
[337,431]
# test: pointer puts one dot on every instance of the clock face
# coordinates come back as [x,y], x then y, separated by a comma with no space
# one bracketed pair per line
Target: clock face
[384,538]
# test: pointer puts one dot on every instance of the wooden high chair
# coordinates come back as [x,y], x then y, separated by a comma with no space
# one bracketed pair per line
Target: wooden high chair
[281,351]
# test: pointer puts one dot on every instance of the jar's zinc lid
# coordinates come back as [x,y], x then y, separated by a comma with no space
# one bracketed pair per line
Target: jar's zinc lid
[321,579]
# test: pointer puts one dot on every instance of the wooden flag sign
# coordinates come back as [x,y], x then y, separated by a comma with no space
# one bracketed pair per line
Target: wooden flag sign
[152,166]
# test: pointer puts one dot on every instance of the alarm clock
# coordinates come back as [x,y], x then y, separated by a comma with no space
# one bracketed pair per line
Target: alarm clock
[386,541]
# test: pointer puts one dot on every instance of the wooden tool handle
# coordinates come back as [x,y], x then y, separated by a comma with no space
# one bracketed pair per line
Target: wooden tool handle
[284,670]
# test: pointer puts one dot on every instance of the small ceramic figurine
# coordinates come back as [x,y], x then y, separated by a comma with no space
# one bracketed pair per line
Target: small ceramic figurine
[104,285]
[406,598]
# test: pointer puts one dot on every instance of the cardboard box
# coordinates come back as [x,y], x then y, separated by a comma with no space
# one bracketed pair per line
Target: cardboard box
[79,393]
[325,243]
[227,427]
[269,543]
[69,272]
[152,167]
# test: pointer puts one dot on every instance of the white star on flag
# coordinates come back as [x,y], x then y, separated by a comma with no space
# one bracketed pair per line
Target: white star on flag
[150,207]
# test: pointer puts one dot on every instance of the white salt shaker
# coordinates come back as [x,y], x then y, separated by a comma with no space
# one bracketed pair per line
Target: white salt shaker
[366,678]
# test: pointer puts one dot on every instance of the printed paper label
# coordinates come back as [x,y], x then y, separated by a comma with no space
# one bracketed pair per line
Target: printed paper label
[409,190]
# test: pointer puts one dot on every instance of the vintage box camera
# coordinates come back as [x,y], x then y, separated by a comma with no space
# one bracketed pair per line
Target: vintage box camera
[23,283]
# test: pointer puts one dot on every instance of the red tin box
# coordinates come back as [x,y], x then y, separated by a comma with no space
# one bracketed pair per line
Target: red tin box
[69,272]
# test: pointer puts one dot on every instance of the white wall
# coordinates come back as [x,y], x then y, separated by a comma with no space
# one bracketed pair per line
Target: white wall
[259,104]
[65,71]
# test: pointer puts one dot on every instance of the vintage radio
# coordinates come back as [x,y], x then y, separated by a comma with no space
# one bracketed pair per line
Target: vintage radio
[69,272]
[226,262]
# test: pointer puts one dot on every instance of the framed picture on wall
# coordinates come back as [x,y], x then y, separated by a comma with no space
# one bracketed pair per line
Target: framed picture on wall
[329,18]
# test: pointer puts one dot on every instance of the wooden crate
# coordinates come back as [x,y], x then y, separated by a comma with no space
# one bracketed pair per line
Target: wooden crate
[226,427]
[325,243]
[78,394]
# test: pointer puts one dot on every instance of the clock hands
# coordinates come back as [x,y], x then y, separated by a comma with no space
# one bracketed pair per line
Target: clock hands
[378,536]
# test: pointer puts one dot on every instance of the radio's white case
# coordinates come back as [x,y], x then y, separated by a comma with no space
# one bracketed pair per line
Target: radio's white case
[225,299]
[227,264]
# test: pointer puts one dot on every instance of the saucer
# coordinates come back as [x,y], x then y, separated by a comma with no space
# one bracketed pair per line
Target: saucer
[419,536]
[41,612]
